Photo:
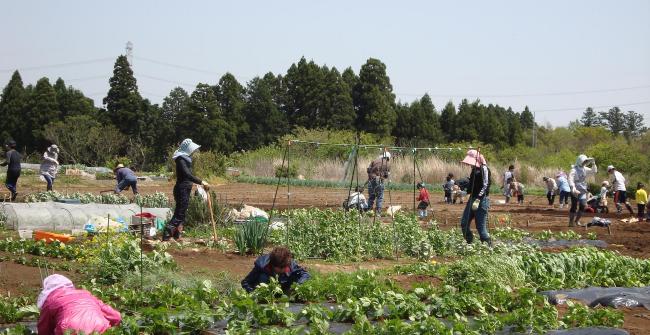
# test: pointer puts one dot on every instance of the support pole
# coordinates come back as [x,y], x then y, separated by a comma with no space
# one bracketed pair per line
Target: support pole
[414,183]
[288,190]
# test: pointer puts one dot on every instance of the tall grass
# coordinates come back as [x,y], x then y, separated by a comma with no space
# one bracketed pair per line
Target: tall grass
[432,169]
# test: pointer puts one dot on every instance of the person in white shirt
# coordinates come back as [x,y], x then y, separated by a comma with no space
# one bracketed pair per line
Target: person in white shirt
[357,200]
[508,176]
[620,192]
[551,188]
[579,188]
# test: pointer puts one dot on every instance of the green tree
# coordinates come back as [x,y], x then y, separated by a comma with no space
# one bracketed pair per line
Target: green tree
[336,104]
[375,99]
[204,123]
[614,120]
[267,122]
[72,101]
[515,132]
[230,95]
[123,101]
[527,119]
[42,109]
[448,122]
[589,118]
[12,106]
[174,106]
[634,124]
[304,85]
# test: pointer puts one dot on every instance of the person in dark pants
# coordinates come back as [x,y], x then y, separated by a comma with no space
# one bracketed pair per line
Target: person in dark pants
[378,171]
[125,178]
[280,264]
[479,202]
[183,188]
[13,168]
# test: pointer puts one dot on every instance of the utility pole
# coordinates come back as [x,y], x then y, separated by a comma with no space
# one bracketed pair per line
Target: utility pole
[129,52]
[534,129]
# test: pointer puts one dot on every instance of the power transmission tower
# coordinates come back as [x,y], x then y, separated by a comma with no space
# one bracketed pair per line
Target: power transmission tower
[129,52]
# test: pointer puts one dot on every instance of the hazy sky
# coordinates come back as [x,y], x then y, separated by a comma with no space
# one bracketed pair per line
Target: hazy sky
[513,53]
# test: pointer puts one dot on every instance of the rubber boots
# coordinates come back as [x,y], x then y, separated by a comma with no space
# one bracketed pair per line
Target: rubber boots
[571,217]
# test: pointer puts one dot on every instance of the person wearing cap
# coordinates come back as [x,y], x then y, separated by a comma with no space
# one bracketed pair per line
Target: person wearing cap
[50,165]
[641,197]
[620,191]
[507,177]
[579,188]
[551,188]
[479,201]
[13,168]
[125,178]
[378,171]
[183,188]
[564,188]
[448,187]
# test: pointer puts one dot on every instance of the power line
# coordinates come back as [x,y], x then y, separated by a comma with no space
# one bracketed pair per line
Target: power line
[39,67]
[603,106]
[183,67]
[140,75]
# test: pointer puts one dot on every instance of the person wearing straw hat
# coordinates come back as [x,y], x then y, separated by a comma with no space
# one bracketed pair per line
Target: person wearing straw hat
[13,168]
[479,201]
[183,188]
[378,171]
[620,191]
[125,178]
[50,165]
[579,188]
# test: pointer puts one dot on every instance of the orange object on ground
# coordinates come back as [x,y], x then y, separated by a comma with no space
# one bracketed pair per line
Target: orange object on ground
[49,237]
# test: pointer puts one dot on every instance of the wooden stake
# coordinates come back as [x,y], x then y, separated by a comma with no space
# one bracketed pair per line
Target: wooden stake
[527,223]
[609,229]
[214,225]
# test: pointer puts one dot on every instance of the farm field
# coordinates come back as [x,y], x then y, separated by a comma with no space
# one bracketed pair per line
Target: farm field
[366,281]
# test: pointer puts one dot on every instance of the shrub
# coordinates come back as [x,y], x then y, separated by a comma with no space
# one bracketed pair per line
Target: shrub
[250,236]
[286,171]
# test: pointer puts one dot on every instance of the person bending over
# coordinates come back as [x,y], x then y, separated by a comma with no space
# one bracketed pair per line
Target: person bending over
[279,264]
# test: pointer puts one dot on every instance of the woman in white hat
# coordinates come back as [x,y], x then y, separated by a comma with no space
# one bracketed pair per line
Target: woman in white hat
[50,165]
[479,202]
[183,188]
[579,188]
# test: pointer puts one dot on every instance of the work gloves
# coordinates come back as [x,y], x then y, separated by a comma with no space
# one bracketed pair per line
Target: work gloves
[475,204]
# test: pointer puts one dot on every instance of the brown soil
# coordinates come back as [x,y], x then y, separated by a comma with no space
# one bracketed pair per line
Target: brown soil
[16,279]
[408,282]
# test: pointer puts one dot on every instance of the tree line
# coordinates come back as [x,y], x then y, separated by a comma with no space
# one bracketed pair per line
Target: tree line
[229,116]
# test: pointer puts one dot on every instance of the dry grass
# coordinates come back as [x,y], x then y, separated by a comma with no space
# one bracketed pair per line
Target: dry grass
[432,169]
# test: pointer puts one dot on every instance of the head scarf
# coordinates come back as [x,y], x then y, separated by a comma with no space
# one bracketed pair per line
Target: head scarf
[186,149]
[51,284]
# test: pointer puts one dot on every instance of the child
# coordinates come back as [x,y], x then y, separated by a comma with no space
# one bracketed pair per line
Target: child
[603,194]
[280,264]
[458,193]
[517,188]
[357,200]
[423,198]
[448,187]
[641,200]
[551,188]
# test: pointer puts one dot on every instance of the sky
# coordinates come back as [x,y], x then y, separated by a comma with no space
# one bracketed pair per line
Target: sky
[556,56]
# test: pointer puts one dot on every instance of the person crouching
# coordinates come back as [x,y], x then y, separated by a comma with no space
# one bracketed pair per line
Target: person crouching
[279,264]
[65,309]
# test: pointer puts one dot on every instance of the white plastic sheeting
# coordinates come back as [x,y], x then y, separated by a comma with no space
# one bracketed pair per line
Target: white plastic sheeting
[54,216]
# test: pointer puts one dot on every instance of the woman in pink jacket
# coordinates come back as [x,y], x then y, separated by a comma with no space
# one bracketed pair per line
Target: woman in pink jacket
[64,308]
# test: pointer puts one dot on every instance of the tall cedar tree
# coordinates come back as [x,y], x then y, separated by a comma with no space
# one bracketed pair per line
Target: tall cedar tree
[174,106]
[204,123]
[12,107]
[448,121]
[375,99]
[267,122]
[589,118]
[42,110]
[337,106]
[527,119]
[123,102]
[230,95]
[304,94]
[72,101]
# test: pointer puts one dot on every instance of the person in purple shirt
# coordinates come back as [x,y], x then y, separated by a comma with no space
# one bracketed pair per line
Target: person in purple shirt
[125,178]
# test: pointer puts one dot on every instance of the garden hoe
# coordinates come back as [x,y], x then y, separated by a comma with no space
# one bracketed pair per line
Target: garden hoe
[214,225]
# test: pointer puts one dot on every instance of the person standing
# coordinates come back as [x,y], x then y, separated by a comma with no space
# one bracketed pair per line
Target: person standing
[183,188]
[448,187]
[579,188]
[641,200]
[125,178]
[551,188]
[479,201]
[564,188]
[620,191]
[13,168]
[507,176]
[378,171]
[423,198]
[50,165]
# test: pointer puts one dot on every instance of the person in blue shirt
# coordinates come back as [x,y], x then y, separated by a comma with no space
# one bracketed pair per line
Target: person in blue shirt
[125,178]
[279,264]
